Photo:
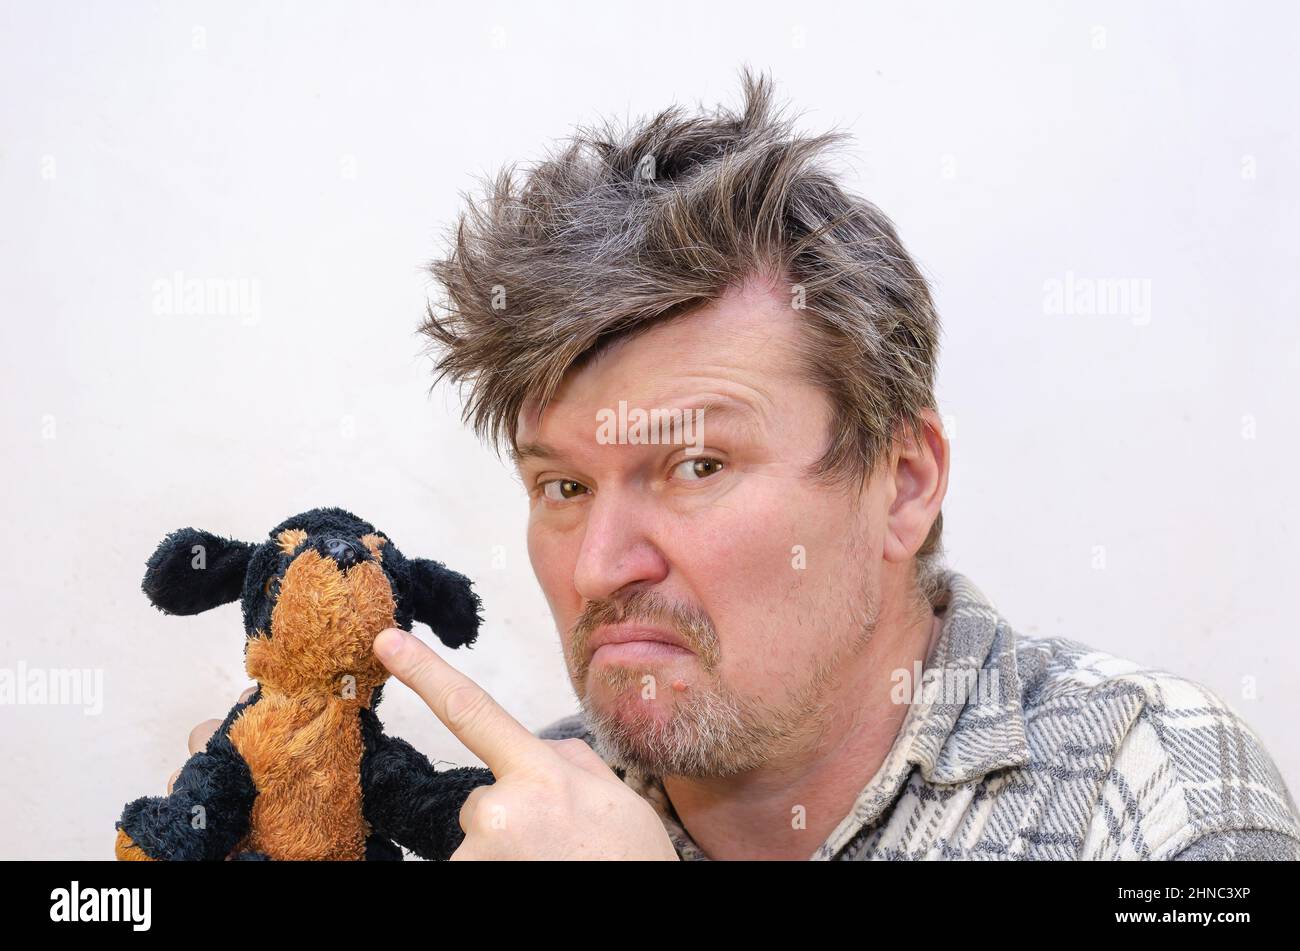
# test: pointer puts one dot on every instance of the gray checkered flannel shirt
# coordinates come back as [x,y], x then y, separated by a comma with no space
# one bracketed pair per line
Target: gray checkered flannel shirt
[1076,754]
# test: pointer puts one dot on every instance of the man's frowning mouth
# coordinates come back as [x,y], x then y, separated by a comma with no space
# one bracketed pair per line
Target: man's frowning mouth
[634,640]
[644,626]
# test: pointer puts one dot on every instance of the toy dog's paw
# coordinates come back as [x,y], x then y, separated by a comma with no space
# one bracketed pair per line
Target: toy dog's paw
[127,851]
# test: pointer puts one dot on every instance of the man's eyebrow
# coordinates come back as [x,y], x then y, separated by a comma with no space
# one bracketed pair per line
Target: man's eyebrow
[725,408]
[533,450]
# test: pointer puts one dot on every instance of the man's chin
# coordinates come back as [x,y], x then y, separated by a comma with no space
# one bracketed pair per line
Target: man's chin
[631,733]
[633,696]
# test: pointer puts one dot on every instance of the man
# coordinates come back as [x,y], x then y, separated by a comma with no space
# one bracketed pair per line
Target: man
[714,370]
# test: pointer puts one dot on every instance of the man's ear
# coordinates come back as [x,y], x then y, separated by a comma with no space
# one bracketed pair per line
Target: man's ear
[444,600]
[193,571]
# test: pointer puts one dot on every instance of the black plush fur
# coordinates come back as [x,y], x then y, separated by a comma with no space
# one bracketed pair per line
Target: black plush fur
[406,801]
[215,780]
[194,571]
[407,798]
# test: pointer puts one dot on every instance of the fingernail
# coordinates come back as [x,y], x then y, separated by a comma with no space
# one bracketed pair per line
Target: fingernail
[389,642]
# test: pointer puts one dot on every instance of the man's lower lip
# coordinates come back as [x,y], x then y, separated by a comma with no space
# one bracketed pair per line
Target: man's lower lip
[629,651]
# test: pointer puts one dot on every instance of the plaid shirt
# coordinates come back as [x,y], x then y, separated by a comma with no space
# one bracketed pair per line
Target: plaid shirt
[1052,751]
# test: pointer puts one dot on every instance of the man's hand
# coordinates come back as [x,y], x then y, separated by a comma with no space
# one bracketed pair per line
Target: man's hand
[552,799]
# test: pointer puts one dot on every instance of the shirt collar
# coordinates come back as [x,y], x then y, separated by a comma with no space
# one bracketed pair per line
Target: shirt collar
[965,720]
[974,722]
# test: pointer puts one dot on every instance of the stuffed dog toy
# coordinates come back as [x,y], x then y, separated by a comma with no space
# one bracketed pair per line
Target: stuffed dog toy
[302,769]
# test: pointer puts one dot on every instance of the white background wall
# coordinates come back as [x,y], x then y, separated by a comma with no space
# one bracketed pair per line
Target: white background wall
[316,152]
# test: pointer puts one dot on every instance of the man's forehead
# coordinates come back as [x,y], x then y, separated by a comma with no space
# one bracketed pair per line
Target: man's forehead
[732,357]
[713,410]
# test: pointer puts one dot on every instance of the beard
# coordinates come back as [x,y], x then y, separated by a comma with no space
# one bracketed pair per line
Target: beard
[711,729]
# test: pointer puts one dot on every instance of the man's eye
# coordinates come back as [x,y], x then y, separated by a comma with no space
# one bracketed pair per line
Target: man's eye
[561,490]
[696,469]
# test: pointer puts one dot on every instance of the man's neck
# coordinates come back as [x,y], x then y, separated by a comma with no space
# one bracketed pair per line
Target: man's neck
[787,809]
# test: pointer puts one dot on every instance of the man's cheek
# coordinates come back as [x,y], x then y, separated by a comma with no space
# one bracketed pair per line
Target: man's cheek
[553,568]
[750,667]
[759,532]
[536,556]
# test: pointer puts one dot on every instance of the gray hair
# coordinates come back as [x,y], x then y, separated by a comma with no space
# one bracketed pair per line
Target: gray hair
[620,229]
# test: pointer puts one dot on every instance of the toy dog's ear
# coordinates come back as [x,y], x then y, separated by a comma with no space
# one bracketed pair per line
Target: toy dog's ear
[193,571]
[444,600]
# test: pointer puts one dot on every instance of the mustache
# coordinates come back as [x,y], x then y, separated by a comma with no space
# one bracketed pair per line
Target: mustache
[646,605]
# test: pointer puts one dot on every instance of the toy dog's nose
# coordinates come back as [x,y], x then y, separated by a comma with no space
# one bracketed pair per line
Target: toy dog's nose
[342,551]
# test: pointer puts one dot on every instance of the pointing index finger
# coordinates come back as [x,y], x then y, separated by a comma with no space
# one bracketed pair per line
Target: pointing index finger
[465,708]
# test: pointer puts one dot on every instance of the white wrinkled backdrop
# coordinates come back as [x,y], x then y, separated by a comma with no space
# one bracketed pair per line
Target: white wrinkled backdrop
[1123,479]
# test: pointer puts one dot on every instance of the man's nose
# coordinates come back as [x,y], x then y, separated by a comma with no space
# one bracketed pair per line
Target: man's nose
[616,551]
[345,553]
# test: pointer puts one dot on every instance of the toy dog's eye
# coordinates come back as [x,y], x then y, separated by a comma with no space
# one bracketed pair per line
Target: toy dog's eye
[266,588]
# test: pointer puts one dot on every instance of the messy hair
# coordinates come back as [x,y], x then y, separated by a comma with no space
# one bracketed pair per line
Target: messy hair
[621,228]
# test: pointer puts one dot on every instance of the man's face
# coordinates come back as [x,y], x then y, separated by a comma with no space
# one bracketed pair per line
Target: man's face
[705,598]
